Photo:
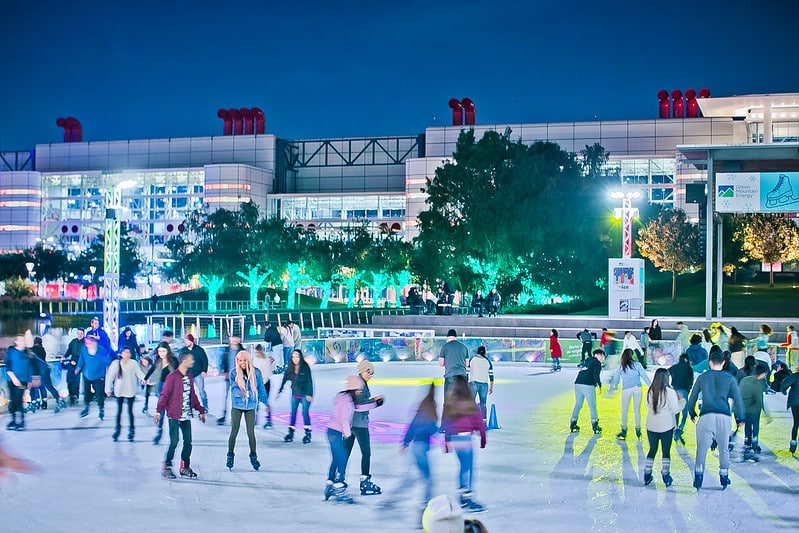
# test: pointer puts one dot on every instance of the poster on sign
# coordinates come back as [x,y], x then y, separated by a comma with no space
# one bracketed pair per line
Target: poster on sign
[625,288]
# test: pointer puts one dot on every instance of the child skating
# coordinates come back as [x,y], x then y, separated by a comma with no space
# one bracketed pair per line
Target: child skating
[338,431]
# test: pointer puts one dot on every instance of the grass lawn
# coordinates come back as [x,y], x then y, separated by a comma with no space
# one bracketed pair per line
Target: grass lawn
[742,299]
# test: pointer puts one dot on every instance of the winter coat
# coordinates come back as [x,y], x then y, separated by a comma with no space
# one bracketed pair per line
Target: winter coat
[247,400]
[630,377]
[343,409]
[554,347]
[421,429]
[94,365]
[171,398]
[124,383]
[18,362]
[663,420]
[363,404]
[791,382]
[301,383]
[466,424]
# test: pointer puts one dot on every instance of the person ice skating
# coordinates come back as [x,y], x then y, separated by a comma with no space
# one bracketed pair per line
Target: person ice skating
[662,404]
[339,430]
[630,342]
[93,362]
[266,364]
[607,340]
[200,368]
[720,336]
[682,379]
[122,379]
[44,372]
[790,385]
[298,372]
[247,390]
[697,355]
[630,374]
[717,389]
[417,437]
[178,400]
[791,346]
[227,361]
[587,339]
[364,403]
[643,341]
[555,351]
[165,362]
[683,336]
[761,341]
[481,379]
[588,379]
[752,394]
[460,420]
[18,375]
[69,362]
[127,339]
[737,346]
[707,341]
[148,384]
[454,357]
[274,344]
[747,370]
[99,334]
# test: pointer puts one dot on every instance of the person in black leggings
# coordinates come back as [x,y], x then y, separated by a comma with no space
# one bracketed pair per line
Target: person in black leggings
[790,386]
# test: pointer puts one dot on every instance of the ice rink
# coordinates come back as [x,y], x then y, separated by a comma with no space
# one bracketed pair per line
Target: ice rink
[533,475]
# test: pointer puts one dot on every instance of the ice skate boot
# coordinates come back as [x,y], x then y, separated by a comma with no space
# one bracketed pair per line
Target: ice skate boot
[84,412]
[157,437]
[220,421]
[725,481]
[781,194]
[329,490]
[254,462]
[367,487]
[622,435]
[307,438]
[115,436]
[638,433]
[33,406]
[678,438]
[756,447]
[166,472]
[62,404]
[289,436]
[43,405]
[186,471]
[229,461]
[131,434]
[101,414]
[749,454]
[667,479]
[713,445]
[469,504]
[12,425]
[596,428]
[792,447]
[20,425]
[573,427]
[268,423]
[647,478]
[340,493]
[698,476]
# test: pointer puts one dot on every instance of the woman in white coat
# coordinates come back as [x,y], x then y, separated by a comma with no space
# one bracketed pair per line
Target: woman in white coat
[122,379]
[662,404]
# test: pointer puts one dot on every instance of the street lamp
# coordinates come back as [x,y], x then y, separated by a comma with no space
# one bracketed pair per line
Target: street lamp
[113,205]
[29,267]
[626,214]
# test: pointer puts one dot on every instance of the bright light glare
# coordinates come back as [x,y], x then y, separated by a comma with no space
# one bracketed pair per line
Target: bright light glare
[126,184]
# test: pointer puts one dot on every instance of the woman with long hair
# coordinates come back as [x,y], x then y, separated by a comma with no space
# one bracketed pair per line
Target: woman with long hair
[122,378]
[630,373]
[737,346]
[165,362]
[246,390]
[662,404]
[340,429]
[298,372]
[460,420]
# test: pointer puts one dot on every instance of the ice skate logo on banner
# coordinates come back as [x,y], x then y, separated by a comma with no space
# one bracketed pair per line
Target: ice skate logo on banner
[782,193]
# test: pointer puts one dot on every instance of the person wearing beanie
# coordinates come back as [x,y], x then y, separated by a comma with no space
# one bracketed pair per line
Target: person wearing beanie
[360,427]
[339,432]
[454,357]
[442,515]
[200,367]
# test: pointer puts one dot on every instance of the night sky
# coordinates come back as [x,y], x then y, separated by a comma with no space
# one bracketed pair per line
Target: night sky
[162,68]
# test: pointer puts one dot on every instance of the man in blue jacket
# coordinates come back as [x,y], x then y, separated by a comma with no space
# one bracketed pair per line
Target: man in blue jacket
[93,362]
[18,374]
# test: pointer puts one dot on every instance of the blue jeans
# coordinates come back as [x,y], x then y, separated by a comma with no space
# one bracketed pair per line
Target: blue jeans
[752,427]
[420,455]
[584,393]
[480,390]
[684,412]
[338,463]
[287,355]
[306,405]
[462,444]
[199,385]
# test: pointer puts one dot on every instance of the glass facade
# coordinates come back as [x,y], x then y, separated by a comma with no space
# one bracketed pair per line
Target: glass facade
[332,213]
[648,174]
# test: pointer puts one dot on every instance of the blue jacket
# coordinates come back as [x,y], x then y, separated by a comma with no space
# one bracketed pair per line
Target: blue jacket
[19,363]
[94,366]
[248,401]
[696,354]
[630,377]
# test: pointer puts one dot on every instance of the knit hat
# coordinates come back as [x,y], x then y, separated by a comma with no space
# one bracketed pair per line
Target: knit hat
[452,333]
[366,366]
[190,338]
[353,383]
[442,515]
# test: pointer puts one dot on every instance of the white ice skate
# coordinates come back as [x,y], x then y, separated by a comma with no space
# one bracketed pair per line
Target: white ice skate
[781,194]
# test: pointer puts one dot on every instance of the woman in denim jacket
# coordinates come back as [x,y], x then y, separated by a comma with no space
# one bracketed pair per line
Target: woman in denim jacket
[246,390]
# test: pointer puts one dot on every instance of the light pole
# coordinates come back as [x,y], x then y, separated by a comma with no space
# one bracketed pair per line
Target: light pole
[626,214]
[113,205]
[29,267]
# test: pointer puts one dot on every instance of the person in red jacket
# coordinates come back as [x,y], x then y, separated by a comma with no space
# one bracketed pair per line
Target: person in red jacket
[555,351]
[178,399]
[460,420]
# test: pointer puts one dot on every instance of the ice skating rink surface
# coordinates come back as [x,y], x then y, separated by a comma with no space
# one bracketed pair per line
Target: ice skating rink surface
[533,475]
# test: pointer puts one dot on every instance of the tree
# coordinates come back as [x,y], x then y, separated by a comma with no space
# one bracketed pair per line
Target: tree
[249,228]
[770,238]
[129,260]
[18,287]
[671,243]
[502,210]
